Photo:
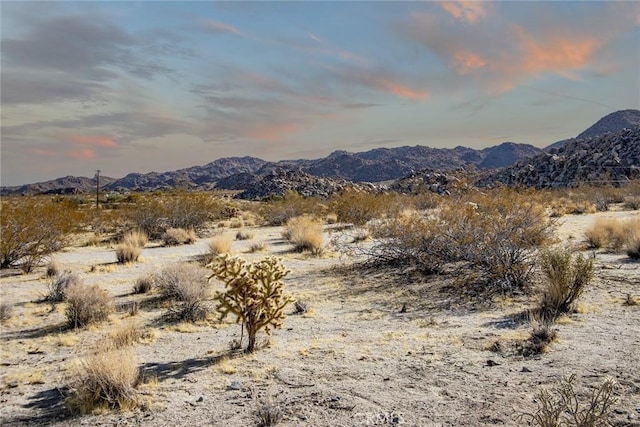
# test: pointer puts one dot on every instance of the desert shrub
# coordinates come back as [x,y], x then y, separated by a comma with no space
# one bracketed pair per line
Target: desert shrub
[305,233]
[153,214]
[105,380]
[127,252]
[632,203]
[361,235]
[538,342]
[331,218]
[494,234]
[178,236]
[187,285]
[268,414]
[220,244]
[632,244]
[87,305]
[257,247]
[127,334]
[58,286]
[33,228]
[562,406]
[253,293]
[6,311]
[278,210]
[143,285]
[606,233]
[243,235]
[53,268]
[359,207]
[136,238]
[567,278]
[611,234]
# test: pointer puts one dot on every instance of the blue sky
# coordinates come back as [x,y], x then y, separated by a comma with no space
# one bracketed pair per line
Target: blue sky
[149,85]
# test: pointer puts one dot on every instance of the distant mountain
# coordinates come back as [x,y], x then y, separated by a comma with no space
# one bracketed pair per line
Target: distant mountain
[196,176]
[623,119]
[65,185]
[609,158]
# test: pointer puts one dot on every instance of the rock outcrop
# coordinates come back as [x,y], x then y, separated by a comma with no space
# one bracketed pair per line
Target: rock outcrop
[608,159]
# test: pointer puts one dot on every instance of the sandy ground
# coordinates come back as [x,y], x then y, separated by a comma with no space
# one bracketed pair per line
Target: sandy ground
[356,358]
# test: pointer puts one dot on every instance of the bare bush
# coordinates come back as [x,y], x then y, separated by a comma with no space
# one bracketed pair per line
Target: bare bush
[187,285]
[257,247]
[53,268]
[127,252]
[33,228]
[279,210]
[567,278]
[305,233]
[243,235]
[495,234]
[253,293]
[179,209]
[87,305]
[143,285]
[268,414]
[6,311]
[178,236]
[105,380]
[563,407]
[58,286]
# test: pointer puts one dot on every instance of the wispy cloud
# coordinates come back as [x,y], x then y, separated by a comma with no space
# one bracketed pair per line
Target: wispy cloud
[92,140]
[467,11]
[381,82]
[217,27]
[82,153]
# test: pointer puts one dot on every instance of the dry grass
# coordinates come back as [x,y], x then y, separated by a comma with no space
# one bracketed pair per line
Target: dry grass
[178,236]
[243,235]
[614,235]
[87,305]
[53,268]
[105,380]
[187,285]
[136,238]
[305,233]
[129,333]
[143,285]
[257,247]
[219,245]
[127,252]
[6,311]
[632,244]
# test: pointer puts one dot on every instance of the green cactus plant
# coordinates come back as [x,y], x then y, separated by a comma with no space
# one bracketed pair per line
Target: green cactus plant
[253,293]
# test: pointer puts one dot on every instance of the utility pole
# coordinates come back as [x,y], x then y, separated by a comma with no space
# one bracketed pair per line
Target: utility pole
[98,189]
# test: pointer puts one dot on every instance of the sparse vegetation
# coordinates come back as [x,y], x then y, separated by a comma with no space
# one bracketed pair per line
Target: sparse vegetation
[178,236]
[32,228]
[219,245]
[130,248]
[279,210]
[567,279]
[187,285]
[105,380]
[87,305]
[305,233]
[268,414]
[53,268]
[257,247]
[243,235]
[58,286]
[143,285]
[563,407]
[253,293]
[6,311]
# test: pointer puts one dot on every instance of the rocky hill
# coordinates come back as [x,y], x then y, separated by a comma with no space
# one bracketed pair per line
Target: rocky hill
[616,121]
[65,185]
[196,176]
[610,158]
[277,182]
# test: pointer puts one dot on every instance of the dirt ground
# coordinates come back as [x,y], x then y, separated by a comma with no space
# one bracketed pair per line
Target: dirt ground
[376,347]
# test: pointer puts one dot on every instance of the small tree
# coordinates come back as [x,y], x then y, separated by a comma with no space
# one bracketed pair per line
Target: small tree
[254,293]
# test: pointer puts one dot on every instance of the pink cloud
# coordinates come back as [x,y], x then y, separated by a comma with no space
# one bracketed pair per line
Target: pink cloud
[382,82]
[82,153]
[467,11]
[272,131]
[94,141]
[42,152]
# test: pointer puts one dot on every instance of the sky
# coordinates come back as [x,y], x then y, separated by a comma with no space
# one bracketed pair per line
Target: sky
[155,85]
